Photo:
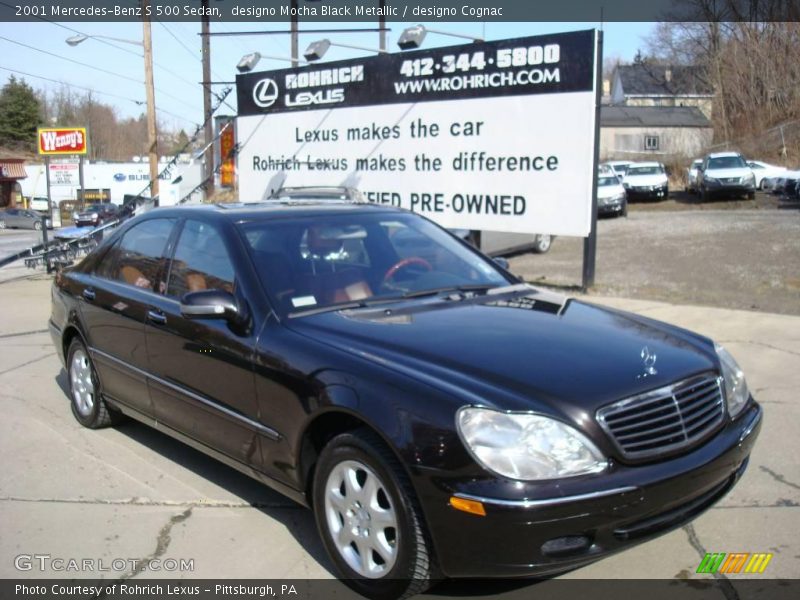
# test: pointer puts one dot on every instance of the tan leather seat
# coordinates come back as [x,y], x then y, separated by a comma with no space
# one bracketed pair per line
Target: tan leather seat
[196,282]
[134,276]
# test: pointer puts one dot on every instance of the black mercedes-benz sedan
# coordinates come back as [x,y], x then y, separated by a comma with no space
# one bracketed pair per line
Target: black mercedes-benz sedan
[440,417]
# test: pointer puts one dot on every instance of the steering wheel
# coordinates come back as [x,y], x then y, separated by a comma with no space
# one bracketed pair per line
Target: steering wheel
[403,263]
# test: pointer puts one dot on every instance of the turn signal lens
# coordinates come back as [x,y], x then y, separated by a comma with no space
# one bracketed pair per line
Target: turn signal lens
[468,506]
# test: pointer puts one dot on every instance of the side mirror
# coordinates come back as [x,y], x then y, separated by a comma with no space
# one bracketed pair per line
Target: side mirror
[502,263]
[210,304]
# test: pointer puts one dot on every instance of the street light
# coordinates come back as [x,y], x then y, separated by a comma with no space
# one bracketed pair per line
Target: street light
[249,61]
[316,50]
[77,39]
[412,37]
[152,134]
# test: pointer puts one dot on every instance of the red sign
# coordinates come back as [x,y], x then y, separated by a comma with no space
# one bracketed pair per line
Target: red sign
[227,172]
[54,141]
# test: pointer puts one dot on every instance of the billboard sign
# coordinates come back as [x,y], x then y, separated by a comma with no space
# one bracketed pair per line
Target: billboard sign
[489,135]
[62,141]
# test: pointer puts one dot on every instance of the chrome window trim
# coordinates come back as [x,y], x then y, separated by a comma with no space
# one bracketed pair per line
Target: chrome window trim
[548,501]
[267,431]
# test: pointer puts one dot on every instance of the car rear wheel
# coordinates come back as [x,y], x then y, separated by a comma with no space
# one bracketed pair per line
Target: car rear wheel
[369,519]
[542,243]
[88,405]
[37,225]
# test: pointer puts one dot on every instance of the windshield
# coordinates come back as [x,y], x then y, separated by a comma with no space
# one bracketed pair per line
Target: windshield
[653,170]
[94,207]
[726,162]
[605,181]
[620,168]
[314,262]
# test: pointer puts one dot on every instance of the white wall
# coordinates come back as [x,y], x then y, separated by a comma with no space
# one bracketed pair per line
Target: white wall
[120,178]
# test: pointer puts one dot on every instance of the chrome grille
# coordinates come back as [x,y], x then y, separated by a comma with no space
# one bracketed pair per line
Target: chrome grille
[667,419]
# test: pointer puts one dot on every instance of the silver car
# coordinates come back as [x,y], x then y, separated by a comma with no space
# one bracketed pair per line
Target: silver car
[22,218]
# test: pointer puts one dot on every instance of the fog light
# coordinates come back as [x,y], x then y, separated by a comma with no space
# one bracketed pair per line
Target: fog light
[468,506]
[569,544]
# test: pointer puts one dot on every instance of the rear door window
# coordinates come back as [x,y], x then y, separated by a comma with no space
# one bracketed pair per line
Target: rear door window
[138,259]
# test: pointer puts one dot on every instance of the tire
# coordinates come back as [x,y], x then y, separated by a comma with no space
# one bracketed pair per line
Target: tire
[703,194]
[542,243]
[86,400]
[37,225]
[399,562]
[751,195]
[624,212]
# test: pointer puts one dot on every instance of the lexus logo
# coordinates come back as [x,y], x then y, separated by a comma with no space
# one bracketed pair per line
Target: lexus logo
[265,92]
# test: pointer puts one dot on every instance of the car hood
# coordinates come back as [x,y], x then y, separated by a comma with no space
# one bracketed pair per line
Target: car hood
[725,173]
[609,191]
[638,180]
[530,352]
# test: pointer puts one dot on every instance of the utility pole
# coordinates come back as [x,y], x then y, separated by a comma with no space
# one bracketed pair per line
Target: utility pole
[295,34]
[382,25]
[152,132]
[208,134]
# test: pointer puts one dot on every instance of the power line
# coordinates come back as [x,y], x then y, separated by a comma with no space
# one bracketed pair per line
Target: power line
[99,69]
[94,91]
[77,62]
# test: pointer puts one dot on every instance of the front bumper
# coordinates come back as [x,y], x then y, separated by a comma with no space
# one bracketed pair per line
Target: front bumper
[611,208]
[647,192]
[556,526]
[731,189]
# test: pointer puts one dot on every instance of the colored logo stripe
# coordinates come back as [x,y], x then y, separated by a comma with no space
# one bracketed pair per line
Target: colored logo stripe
[720,562]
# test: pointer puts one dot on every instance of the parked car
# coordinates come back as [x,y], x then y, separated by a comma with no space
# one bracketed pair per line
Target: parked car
[440,417]
[646,181]
[317,193]
[783,184]
[95,215]
[691,175]
[763,171]
[725,174]
[22,218]
[619,166]
[611,197]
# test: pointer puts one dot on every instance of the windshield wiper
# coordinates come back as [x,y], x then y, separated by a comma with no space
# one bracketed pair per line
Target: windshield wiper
[365,303]
[477,287]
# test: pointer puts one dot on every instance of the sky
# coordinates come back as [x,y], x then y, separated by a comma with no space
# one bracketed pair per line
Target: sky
[115,71]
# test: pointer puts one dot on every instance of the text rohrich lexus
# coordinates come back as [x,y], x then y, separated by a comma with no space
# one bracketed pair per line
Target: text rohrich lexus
[440,417]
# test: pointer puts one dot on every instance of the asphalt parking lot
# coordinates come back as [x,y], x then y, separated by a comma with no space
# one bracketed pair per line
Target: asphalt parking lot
[733,257]
[133,493]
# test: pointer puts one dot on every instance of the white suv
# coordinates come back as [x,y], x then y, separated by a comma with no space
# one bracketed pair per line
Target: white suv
[725,173]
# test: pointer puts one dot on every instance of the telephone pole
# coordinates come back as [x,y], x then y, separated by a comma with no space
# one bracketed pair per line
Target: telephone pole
[208,134]
[152,132]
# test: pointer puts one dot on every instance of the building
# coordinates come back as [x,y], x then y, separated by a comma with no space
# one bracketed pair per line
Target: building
[12,170]
[661,85]
[653,132]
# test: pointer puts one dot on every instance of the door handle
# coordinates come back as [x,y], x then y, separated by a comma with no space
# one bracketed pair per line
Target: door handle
[89,294]
[157,317]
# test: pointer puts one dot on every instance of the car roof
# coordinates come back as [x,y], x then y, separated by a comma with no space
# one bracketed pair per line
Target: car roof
[723,154]
[245,211]
[645,164]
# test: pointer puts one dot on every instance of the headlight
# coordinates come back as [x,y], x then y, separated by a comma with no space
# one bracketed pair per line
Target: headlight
[526,446]
[736,392]
[94,215]
[749,178]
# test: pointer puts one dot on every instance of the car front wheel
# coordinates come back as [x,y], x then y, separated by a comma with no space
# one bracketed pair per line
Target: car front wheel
[87,402]
[369,519]
[542,243]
